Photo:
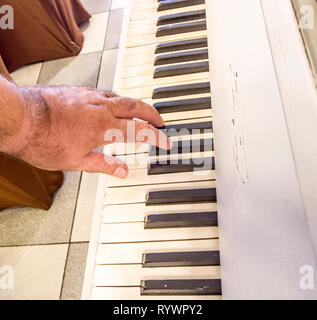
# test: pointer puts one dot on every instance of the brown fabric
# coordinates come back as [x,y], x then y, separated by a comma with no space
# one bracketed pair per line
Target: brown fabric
[25,186]
[3,69]
[43,29]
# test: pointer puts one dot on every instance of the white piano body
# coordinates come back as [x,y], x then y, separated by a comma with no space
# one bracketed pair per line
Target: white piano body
[265,126]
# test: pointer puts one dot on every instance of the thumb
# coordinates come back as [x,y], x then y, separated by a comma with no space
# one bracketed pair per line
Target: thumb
[100,163]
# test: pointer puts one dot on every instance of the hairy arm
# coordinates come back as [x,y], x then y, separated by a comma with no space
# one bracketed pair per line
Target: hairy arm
[12,114]
[58,128]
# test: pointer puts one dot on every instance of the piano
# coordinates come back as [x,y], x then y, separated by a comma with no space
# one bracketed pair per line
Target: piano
[230,211]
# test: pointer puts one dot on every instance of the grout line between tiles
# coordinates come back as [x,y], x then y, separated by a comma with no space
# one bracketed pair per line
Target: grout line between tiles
[40,244]
[104,41]
[70,237]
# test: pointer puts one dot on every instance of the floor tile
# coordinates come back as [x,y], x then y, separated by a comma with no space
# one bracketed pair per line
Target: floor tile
[116,4]
[107,69]
[21,226]
[81,71]
[95,33]
[27,75]
[37,271]
[97,6]
[75,271]
[85,207]
[114,29]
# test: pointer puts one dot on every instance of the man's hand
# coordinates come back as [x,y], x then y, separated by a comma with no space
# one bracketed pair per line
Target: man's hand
[61,126]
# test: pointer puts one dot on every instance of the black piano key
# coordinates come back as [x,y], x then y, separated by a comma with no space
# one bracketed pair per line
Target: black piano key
[181,165]
[181,90]
[181,45]
[183,105]
[177,57]
[177,28]
[182,129]
[173,4]
[184,146]
[181,259]
[181,69]
[181,220]
[181,287]
[181,196]
[181,17]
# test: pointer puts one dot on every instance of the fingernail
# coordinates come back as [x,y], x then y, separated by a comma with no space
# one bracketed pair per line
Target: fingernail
[121,172]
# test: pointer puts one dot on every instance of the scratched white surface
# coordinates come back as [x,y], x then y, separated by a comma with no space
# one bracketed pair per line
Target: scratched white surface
[299,96]
[264,235]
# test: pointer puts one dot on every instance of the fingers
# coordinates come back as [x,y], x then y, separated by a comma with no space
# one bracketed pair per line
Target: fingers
[97,97]
[107,93]
[137,131]
[98,162]
[128,108]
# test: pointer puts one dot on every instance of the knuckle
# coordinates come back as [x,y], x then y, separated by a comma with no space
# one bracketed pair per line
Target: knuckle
[130,104]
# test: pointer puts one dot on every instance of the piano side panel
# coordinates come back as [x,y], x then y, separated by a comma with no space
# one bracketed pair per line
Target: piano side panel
[299,97]
[264,237]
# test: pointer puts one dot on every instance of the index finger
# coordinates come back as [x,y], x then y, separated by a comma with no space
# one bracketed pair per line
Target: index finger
[128,108]
[138,131]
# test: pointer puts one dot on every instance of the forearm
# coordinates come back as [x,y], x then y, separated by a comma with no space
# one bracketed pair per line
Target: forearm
[12,115]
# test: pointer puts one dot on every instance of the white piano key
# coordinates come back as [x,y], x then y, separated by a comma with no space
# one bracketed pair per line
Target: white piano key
[186,115]
[137,212]
[145,5]
[138,148]
[124,253]
[152,21]
[141,160]
[143,29]
[143,55]
[183,155]
[131,275]
[133,293]
[134,2]
[147,79]
[135,232]
[140,15]
[137,194]
[176,121]
[148,69]
[193,96]
[150,4]
[141,177]
[136,56]
[150,38]
[146,92]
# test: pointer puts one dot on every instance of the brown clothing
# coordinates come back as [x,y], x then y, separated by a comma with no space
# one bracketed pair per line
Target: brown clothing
[43,29]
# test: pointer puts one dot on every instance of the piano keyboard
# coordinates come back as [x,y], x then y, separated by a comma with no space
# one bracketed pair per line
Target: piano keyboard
[159,236]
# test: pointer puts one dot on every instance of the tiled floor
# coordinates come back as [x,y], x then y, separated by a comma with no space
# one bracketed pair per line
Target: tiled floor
[47,250]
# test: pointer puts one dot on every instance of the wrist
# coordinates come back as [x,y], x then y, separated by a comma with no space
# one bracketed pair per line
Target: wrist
[14,120]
